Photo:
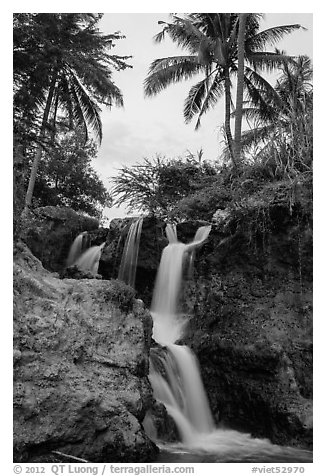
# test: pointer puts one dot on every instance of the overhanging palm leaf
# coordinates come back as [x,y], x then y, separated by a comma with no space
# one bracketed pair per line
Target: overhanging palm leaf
[214,93]
[85,110]
[166,71]
[268,61]
[270,36]
[261,94]
[97,80]
[258,98]
[194,100]
[202,96]
[183,33]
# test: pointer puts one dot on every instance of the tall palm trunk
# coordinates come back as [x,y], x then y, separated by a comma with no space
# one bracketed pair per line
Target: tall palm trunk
[228,133]
[239,100]
[38,153]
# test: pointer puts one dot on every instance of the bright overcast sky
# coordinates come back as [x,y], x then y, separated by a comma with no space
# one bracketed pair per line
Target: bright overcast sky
[149,126]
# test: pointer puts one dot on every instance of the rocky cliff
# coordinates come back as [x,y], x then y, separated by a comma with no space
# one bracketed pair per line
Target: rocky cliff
[249,299]
[250,307]
[81,353]
[49,232]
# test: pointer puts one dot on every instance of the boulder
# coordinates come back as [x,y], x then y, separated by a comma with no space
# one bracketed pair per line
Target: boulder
[81,356]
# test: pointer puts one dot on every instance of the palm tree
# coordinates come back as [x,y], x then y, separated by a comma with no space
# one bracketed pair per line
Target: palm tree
[73,77]
[210,40]
[289,122]
[240,84]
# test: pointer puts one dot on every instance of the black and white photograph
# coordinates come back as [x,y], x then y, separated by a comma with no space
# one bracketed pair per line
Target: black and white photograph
[162,242]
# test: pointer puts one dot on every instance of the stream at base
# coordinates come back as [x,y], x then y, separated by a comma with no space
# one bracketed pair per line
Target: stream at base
[231,446]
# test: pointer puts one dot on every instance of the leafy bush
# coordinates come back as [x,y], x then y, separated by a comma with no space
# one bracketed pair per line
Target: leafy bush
[121,294]
[155,186]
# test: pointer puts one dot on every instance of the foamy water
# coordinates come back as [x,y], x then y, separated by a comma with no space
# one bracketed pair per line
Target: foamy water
[224,445]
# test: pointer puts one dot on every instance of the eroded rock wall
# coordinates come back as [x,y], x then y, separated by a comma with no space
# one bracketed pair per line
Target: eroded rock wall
[81,353]
[251,329]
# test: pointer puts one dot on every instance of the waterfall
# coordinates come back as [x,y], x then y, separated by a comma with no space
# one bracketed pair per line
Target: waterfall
[167,324]
[128,266]
[89,260]
[77,248]
[174,371]
[201,235]
[171,233]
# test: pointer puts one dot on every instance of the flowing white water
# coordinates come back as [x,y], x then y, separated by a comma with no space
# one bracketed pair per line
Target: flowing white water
[128,266]
[176,382]
[171,233]
[90,259]
[224,445]
[175,374]
[167,324]
[200,236]
[76,249]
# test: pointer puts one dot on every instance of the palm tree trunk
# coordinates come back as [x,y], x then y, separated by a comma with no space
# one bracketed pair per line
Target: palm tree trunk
[228,133]
[38,153]
[54,118]
[239,103]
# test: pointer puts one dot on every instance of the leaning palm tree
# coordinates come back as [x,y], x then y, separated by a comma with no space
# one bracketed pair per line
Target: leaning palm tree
[210,39]
[74,77]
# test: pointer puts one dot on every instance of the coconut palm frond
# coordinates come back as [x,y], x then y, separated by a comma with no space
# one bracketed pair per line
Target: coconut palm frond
[213,94]
[194,100]
[266,89]
[97,80]
[85,110]
[268,61]
[182,34]
[256,135]
[166,71]
[259,100]
[270,36]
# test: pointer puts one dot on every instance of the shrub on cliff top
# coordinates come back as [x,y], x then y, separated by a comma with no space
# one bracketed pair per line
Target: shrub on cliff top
[155,186]
[120,294]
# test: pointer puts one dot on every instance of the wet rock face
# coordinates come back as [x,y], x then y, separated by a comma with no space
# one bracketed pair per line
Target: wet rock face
[160,425]
[81,352]
[152,242]
[251,329]
[50,231]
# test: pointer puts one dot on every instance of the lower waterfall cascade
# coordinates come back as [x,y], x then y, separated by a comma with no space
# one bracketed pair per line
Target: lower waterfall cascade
[176,381]
[175,375]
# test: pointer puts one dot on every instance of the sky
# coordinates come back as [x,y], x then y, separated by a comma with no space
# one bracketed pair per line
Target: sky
[149,126]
